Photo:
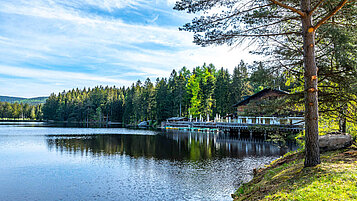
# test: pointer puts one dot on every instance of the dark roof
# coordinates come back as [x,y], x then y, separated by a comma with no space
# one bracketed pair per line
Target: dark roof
[246,100]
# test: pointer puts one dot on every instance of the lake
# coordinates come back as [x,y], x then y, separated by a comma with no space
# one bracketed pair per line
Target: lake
[39,162]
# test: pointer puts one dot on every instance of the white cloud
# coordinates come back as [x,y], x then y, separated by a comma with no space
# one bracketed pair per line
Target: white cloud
[63,39]
[53,76]
[113,4]
[154,19]
[171,2]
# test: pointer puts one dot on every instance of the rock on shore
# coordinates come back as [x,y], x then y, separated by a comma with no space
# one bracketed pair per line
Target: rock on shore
[334,141]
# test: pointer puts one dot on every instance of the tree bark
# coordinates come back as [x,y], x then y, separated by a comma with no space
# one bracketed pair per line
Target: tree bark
[312,152]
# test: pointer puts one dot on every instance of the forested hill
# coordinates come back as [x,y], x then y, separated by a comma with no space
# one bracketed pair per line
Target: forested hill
[31,101]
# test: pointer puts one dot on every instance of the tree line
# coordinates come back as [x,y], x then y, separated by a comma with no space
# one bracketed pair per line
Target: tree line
[20,111]
[203,91]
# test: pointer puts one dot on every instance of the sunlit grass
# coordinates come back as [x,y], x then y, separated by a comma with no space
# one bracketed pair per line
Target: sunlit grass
[287,179]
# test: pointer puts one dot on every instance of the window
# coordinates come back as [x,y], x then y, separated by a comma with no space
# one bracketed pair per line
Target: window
[283,121]
[253,121]
[267,121]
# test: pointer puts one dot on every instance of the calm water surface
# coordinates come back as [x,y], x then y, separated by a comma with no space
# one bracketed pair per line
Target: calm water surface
[52,163]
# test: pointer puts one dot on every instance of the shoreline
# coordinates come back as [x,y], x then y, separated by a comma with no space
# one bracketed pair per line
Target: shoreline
[20,120]
[287,179]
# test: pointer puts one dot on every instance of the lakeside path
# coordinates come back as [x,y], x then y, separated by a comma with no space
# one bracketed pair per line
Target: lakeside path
[286,179]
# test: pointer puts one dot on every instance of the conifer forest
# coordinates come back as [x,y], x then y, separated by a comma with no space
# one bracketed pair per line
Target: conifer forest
[205,90]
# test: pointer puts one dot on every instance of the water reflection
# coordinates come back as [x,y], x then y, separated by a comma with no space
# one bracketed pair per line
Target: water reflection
[171,146]
[53,163]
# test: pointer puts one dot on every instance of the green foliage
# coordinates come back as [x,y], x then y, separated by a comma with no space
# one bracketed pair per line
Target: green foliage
[240,86]
[204,91]
[163,101]
[263,77]
[20,111]
[207,85]
[329,124]
[221,92]
[193,88]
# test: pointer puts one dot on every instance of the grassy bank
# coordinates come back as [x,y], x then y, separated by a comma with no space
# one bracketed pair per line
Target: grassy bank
[286,179]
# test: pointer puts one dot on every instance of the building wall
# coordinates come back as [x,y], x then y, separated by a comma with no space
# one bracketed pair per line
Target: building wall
[270,120]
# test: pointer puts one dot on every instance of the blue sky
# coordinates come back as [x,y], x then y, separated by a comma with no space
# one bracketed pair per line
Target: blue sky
[54,45]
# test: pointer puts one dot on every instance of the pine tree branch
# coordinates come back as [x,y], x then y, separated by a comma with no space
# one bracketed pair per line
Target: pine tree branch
[302,14]
[330,14]
[287,46]
[234,14]
[199,40]
[297,48]
[265,35]
[343,24]
[267,25]
[289,69]
[316,7]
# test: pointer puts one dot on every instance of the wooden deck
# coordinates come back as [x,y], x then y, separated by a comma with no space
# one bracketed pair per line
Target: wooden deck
[233,127]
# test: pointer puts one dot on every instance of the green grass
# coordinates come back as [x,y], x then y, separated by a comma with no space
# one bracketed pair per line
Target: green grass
[287,179]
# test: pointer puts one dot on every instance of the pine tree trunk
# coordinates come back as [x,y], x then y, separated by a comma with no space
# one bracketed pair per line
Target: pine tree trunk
[312,152]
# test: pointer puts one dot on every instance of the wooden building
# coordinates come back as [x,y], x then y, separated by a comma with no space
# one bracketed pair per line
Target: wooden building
[255,121]
[251,103]
[261,95]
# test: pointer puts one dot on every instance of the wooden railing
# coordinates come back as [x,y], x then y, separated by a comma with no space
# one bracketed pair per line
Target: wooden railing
[235,126]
